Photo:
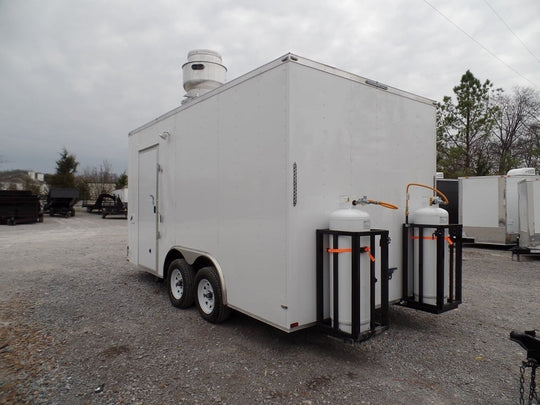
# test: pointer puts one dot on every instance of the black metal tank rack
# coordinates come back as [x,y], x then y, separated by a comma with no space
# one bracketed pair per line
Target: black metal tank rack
[327,244]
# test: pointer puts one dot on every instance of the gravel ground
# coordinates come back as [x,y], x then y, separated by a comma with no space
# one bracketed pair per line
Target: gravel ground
[81,325]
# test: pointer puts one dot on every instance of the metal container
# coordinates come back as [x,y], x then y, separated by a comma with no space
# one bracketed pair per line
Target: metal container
[350,220]
[432,215]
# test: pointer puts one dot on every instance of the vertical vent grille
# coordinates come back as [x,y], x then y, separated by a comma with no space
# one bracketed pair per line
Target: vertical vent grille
[295,184]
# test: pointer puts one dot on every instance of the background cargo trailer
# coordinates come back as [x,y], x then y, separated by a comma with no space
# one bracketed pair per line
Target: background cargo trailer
[529,214]
[241,177]
[488,206]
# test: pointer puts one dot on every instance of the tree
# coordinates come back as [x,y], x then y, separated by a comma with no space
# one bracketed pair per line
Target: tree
[66,167]
[515,136]
[464,128]
[529,147]
[122,181]
[84,189]
[32,185]
[99,179]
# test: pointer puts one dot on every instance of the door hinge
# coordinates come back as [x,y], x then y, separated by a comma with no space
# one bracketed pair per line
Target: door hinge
[158,235]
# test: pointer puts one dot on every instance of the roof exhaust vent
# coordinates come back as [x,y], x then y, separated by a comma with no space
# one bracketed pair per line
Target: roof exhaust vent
[202,73]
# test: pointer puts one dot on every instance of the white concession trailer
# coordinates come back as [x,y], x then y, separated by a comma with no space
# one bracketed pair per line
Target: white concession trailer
[227,190]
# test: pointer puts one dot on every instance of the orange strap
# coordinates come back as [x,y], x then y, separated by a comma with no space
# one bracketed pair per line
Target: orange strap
[349,250]
[339,250]
[371,257]
[446,238]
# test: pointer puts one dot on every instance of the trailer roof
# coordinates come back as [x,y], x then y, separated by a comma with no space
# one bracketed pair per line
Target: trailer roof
[288,58]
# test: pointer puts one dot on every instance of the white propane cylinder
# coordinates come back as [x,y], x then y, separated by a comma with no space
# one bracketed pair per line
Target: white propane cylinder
[350,220]
[202,73]
[432,215]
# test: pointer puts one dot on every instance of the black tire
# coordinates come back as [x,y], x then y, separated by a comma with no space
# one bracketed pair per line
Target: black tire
[72,212]
[209,296]
[181,283]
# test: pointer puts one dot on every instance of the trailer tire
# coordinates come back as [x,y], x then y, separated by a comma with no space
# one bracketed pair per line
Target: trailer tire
[209,296]
[181,283]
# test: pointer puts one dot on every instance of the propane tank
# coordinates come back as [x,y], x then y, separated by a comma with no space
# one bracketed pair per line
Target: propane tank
[432,215]
[350,220]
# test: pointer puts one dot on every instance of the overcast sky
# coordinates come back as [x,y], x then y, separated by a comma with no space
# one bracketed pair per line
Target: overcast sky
[82,74]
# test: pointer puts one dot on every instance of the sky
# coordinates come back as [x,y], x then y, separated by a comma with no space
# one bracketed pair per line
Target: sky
[81,74]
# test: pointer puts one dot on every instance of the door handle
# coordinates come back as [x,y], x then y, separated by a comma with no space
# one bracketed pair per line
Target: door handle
[153,202]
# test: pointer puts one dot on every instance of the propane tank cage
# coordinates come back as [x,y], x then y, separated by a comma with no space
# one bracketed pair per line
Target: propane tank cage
[454,267]
[378,316]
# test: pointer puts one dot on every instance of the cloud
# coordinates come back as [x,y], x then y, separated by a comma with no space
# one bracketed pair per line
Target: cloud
[83,74]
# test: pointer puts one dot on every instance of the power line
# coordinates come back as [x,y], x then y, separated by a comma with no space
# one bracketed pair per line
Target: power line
[510,29]
[478,43]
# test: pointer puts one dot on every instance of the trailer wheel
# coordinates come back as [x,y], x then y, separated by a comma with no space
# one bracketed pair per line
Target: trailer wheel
[180,279]
[209,296]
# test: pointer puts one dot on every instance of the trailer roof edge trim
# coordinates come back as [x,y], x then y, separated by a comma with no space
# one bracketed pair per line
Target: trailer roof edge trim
[288,58]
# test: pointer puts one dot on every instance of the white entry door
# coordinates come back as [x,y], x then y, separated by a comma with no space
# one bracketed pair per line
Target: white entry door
[147,204]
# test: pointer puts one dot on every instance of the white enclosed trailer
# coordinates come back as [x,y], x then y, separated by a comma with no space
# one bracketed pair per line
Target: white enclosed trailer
[488,206]
[529,214]
[240,178]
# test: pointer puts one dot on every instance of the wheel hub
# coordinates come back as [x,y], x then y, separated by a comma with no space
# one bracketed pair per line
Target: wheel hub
[177,284]
[205,295]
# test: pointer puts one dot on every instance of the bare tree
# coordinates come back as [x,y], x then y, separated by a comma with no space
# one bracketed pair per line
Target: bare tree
[99,179]
[515,136]
[528,147]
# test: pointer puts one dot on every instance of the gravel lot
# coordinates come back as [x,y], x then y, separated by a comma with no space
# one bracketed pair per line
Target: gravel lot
[81,325]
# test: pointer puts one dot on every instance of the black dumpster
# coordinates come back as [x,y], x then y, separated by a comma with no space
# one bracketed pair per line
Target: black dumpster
[19,206]
[61,201]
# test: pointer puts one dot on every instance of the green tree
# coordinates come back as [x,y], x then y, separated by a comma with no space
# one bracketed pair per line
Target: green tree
[66,167]
[464,128]
[122,181]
